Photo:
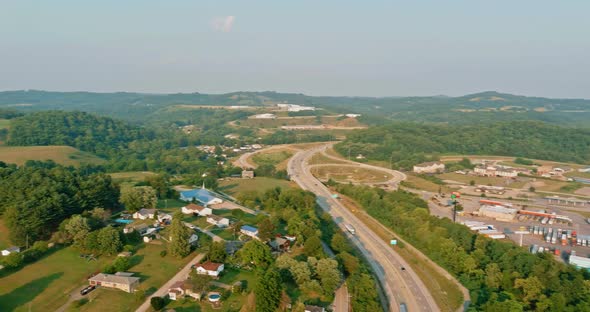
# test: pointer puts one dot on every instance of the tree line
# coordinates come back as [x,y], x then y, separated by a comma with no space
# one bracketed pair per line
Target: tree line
[500,275]
[405,144]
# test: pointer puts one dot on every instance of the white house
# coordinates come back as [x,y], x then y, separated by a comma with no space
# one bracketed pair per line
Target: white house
[249,231]
[217,220]
[312,308]
[429,167]
[181,289]
[144,214]
[163,217]
[196,209]
[353,115]
[120,280]
[10,250]
[264,116]
[210,268]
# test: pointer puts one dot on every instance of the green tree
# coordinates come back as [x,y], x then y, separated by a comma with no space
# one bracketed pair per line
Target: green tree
[135,198]
[327,271]
[313,247]
[158,303]
[217,252]
[179,236]
[268,291]
[77,228]
[109,240]
[200,282]
[256,253]
[349,262]
[265,229]
[339,243]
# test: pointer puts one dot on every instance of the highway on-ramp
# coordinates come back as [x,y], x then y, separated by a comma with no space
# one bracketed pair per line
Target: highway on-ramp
[401,286]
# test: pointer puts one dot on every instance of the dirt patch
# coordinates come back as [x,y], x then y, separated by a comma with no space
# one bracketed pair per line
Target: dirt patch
[585,191]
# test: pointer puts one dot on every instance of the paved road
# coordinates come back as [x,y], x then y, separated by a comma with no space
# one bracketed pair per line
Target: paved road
[400,286]
[180,276]
[341,299]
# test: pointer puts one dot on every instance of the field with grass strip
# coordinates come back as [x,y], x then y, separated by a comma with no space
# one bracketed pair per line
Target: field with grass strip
[350,173]
[131,176]
[496,181]
[47,283]
[260,184]
[276,157]
[65,155]
[4,241]
[153,270]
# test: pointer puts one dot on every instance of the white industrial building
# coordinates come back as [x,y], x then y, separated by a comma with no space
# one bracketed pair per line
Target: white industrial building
[430,167]
[264,116]
[499,213]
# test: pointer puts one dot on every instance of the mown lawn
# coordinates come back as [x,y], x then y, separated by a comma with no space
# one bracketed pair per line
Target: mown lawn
[47,283]
[4,123]
[153,270]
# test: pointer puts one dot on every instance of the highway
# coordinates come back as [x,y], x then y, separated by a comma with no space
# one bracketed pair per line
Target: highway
[400,286]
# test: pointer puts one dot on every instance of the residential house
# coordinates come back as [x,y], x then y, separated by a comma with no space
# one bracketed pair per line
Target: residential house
[144,214]
[164,217]
[121,280]
[10,250]
[280,244]
[430,167]
[312,308]
[247,174]
[210,268]
[196,209]
[249,231]
[182,289]
[217,220]
[202,195]
[141,228]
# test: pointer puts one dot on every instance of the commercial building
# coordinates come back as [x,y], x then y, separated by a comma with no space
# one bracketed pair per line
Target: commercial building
[499,213]
[429,167]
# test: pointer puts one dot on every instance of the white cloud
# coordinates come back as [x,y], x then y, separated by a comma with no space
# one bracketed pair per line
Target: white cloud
[224,23]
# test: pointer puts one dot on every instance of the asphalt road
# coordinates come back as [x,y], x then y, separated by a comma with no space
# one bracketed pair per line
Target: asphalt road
[401,286]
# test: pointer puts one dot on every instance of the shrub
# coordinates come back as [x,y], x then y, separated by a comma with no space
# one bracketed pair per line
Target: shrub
[158,303]
[163,253]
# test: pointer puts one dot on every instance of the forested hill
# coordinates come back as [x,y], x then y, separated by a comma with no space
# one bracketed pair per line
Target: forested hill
[406,144]
[485,107]
[82,130]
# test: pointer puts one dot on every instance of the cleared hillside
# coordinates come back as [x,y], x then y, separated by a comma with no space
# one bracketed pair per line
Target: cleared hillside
[65,155]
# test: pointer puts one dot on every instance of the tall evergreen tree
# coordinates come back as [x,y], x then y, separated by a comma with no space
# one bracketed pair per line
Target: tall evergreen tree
[179,236]
[268,291]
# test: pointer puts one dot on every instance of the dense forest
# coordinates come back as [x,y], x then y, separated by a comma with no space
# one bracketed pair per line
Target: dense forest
[499,275]
[485,107]
[37,197]
[405,144]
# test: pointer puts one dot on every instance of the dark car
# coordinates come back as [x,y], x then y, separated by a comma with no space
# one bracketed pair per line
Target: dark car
[403,269]
[87,289]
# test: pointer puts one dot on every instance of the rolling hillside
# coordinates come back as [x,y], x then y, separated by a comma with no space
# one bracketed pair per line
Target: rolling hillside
[65,155]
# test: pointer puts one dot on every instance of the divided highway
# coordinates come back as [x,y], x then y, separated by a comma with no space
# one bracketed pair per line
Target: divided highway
[402,286]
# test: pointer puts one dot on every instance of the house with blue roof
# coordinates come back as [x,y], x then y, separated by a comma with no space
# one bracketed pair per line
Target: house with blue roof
[202,195]
[249,231]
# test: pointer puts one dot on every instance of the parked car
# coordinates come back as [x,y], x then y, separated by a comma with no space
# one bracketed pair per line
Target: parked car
[87,289]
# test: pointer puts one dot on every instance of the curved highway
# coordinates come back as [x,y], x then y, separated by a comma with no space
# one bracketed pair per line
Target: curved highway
[401,286]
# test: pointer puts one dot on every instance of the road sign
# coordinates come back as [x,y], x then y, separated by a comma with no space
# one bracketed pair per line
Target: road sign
[393,242]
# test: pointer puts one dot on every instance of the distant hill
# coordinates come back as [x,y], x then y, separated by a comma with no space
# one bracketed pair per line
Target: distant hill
[481,107]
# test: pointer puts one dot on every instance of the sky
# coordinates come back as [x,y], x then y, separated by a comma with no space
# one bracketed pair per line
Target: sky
[352,48]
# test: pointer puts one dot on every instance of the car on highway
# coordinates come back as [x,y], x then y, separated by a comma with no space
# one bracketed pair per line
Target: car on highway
[87,289]
[402,268]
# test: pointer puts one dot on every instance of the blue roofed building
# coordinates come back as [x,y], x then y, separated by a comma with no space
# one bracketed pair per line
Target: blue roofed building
[249,231]
[202,195]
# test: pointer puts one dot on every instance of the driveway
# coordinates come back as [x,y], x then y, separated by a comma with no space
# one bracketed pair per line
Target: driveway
[180,276]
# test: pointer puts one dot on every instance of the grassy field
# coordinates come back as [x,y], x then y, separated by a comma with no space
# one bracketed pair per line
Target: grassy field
[496,181]
[350,174]
[47,282]
[65,155]
[319,159]
[261,184]
[445,292]
[153,270]
[4,123]
[4,241]
[131,176]
[276,157]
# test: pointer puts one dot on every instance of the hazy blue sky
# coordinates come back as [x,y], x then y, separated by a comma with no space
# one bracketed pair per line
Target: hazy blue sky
[378,48]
